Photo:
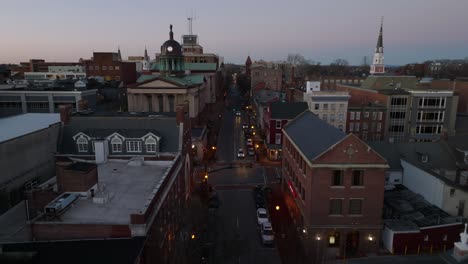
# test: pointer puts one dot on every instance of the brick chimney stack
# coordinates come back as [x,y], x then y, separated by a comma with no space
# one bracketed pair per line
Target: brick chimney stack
[65,113]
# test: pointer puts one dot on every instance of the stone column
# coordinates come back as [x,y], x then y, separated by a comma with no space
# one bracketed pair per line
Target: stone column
[165,103]
[50,98]
[24,106]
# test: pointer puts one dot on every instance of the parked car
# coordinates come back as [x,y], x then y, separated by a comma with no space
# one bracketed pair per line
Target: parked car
[238,113]
[266,233]
[240,153]
[249,142]
[245,125]
[262,216]
[250,151]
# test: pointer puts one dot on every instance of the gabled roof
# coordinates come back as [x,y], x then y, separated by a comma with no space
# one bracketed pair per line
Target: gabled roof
[183,81]
[287,110]
[312,135]
[129,127]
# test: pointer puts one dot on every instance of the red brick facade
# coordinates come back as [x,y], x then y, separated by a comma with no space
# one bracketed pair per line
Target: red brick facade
[70,180]
[109,66]
[310,189]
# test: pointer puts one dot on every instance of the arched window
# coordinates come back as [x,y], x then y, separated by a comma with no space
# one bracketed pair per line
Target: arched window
[116,144]
[150,144]
[82,144]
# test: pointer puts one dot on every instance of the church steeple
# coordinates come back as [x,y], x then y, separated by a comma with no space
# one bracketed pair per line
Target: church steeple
[378,66]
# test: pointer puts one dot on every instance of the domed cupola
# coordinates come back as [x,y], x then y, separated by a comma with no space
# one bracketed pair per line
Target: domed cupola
[171,61]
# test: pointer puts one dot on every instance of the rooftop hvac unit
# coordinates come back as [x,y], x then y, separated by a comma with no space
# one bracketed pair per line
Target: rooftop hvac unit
[60,203]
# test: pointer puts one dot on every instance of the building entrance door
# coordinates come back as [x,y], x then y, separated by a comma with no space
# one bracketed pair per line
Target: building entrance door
[352,243]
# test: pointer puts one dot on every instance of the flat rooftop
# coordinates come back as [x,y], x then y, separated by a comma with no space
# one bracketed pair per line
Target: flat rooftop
[20,125]
[405,210]
[127,186]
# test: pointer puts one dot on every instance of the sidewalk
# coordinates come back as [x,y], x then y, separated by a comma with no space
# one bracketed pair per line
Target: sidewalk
[287,239]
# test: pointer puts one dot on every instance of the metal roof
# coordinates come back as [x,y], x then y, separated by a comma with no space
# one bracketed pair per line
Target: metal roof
[312,135]
[21,125]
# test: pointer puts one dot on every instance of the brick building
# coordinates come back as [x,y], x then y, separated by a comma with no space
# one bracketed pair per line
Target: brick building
[276,116]
[334,187]
[268,73]
[119,177]
[110,66]
[414,111]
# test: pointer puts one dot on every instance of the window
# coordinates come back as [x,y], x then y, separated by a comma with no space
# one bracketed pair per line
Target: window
[325,117]
[358,177]
[116,144]
[111,68]
[335,206]
[278,138]
[150,144]
[96,68]
[303,193]
[364,126]
[117,78]
[104,68]
[374,115]
[332,106]
[332,117]
[351,115]
[278,124]
[351,127]
[342,106]
[337,178]
[82,144]
[366,114]
[380,116]
[334,239]
[325,106]
[340,127]
[398,101]
[316,106]
[397,115]
[358,115]
[356,127]
[355,206]
[117,68]
[91,67]
[340,117]
[379,127]
[133,146]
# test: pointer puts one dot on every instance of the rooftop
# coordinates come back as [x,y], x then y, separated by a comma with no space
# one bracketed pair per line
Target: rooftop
[320,137]
[126,185]
[408,211]
[21,125]
[287,110]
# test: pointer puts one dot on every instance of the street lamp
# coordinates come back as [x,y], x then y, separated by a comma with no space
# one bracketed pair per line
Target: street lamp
[370,238]
[193,236]
[213,148]
[277,208]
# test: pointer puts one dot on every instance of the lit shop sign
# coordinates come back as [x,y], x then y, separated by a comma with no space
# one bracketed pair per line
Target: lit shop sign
[292,189]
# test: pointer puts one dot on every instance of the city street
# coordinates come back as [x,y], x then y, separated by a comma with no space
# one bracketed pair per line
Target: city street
[233,234]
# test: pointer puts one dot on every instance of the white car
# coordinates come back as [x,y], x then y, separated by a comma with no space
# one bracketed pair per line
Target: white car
[249,142]
[240,153]
[238,113]
[262,216]
[266,233]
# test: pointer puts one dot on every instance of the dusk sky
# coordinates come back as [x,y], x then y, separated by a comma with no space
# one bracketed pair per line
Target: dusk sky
[320,30]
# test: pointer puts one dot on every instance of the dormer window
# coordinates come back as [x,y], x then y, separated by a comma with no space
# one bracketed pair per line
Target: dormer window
[116,144]
[150,144]
[133,146]
[82,144]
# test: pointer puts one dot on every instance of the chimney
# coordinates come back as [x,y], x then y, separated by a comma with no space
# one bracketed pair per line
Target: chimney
[65,113]
[290,95]
[76,177]
[180,114]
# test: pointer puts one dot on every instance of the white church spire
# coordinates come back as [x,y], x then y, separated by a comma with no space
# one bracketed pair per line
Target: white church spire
[378,66]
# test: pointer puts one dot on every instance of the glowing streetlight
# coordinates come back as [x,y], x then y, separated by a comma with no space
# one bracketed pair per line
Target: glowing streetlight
[318,237]
[213,148]
[193,236]
[193,146]
[370,238]
[277,208]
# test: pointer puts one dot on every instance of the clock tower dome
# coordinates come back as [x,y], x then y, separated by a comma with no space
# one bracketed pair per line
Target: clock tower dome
[171,60]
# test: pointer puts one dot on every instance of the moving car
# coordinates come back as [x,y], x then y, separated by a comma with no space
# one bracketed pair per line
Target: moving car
[266,233]
[238,113]
[262,216]
[249,142]
[245,125]
[240,153]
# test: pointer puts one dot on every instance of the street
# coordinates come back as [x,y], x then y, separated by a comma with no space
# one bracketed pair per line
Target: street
[233,232]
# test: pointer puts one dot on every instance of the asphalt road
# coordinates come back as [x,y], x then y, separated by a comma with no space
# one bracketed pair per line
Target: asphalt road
[234,236]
